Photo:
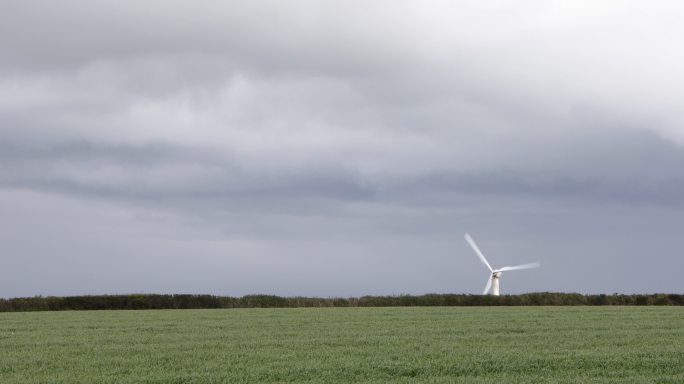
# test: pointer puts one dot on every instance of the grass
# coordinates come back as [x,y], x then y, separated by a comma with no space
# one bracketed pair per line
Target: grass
[341,345]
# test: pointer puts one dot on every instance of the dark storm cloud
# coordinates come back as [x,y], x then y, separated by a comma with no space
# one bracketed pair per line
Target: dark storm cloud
[57,168]
[220,176]
[303,149]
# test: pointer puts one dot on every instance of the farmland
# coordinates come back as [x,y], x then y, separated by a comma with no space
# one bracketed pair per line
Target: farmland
[375,345]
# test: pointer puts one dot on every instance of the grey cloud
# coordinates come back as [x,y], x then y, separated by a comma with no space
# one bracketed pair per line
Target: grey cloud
[646,173]
[162,172]
[280,141]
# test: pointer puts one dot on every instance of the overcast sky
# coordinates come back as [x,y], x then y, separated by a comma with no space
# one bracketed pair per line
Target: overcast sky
[340,148]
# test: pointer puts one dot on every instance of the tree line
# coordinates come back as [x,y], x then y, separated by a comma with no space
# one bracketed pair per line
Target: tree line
[154,301]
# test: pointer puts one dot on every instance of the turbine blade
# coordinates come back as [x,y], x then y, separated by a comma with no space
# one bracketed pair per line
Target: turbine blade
[516,267]
[489,285]
[477,250]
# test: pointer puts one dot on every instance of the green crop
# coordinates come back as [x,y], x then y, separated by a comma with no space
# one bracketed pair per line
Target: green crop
[342,345]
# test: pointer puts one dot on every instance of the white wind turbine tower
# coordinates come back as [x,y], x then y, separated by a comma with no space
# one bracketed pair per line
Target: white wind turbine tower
[493,281]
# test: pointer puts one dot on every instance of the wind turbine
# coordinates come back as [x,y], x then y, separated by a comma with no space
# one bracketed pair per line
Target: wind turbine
[493,281]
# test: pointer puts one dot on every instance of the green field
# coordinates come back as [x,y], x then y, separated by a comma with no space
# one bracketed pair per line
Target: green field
[341,345]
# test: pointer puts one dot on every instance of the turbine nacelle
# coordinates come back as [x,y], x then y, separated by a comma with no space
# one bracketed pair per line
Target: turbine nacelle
[493,281]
